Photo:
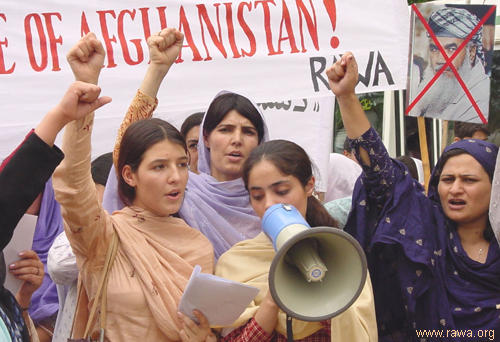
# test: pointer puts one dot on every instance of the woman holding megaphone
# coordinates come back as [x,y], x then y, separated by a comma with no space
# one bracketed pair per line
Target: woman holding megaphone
[280,171]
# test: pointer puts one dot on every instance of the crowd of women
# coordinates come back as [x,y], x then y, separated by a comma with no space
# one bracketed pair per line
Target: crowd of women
[176,200]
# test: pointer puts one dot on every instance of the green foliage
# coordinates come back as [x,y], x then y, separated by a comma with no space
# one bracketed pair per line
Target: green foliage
[416,1]
[494,115]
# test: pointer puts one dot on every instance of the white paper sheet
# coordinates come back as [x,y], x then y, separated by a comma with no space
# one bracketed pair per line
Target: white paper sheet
[21,240]
[221,300]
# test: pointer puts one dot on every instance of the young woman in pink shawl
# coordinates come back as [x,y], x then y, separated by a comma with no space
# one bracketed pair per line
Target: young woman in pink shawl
[216,201]
[157,251]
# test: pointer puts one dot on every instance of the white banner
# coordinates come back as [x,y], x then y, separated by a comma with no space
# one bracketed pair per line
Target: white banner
[269,49]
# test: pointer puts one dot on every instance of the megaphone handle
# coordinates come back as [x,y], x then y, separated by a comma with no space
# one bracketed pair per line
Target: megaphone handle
[289,330]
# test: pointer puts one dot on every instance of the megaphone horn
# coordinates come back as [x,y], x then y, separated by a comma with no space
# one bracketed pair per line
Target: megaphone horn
[317,273]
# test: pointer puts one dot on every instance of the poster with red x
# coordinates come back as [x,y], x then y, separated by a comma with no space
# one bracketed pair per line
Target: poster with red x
[450,60]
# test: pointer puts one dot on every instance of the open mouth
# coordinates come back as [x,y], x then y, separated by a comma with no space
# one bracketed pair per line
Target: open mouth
[174,194]
[456,203]
[235,155]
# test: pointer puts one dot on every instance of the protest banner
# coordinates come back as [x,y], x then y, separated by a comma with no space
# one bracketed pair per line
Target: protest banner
[270,50]
[449,61]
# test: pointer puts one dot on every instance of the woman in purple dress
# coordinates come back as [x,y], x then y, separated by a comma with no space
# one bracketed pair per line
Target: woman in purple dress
[434,263]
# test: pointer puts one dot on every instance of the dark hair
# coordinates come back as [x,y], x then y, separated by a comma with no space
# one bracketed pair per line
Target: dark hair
[99,168]
[291,159]
[347,145]
[191,121]
[488,232]
[410,164]
[223,104]
[467,129]
[137,139]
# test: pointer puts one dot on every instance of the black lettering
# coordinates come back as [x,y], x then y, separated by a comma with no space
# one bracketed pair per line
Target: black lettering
[318,74]
[381,67]
[300,108]
[368,71]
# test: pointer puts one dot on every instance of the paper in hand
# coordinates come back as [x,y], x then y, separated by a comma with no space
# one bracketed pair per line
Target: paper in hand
[21,240]
[221,300]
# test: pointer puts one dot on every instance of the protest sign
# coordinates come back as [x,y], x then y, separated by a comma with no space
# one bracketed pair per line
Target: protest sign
[270,50]
[450,61]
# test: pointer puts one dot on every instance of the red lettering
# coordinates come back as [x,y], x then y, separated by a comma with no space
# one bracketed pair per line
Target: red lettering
[246,29]
[202,13]
[123,41]
[105,35]
[145,22]
[84,26]
[5,42]
[230,29]
[163,18]
[184,27]
[267,24]
[29,42]
[53,41]
[331,9]
[288,24]
[312,25]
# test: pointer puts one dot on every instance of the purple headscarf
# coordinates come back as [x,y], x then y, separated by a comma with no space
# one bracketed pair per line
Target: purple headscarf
[44,302]
[484,152]
[422,277]
[220,210]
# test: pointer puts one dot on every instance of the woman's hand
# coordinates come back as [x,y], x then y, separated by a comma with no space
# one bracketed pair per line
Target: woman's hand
[267,314]
[86,58]
[191,331]
[343,75]
[164,47]
[29,269]
[80,99]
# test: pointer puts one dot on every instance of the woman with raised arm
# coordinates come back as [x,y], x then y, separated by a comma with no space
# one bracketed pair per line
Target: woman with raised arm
[433,259]
[280,171]
[156,251]
[216,202]
[23,175]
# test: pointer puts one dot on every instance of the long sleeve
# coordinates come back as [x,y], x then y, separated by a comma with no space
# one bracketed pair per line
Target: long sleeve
[396,224]
[380,175]
[142,107]
[87,225]
[22,178]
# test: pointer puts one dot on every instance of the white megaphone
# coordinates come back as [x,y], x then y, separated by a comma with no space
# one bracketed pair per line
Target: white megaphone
[318,272]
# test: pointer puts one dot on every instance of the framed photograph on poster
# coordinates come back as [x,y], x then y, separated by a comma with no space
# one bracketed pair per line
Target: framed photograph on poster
[450,61]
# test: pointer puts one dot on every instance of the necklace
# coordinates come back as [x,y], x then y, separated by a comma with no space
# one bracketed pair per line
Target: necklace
[481,251]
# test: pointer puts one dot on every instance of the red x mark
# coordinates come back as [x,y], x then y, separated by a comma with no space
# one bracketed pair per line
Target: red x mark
[449,61]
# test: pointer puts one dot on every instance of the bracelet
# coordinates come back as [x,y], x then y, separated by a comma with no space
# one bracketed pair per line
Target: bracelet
[25,309]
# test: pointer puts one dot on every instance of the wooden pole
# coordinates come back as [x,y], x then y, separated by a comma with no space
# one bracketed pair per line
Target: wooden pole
[424,152]
[444,139]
